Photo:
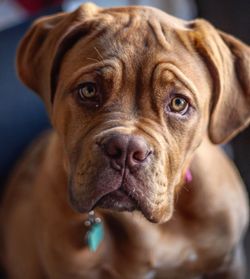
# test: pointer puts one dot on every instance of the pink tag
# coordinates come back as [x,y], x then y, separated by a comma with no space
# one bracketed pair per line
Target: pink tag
[188,176]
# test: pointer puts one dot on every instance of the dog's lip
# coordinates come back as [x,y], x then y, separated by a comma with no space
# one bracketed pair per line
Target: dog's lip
[117,200]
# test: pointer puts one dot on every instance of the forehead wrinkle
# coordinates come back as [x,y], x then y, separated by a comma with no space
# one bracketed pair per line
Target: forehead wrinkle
[127,27]
[153,99]
[157,30]
[183,39]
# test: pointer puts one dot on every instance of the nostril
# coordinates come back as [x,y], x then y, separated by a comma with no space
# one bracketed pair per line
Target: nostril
[138,151]
[141,156]
[115,148]
[114,152]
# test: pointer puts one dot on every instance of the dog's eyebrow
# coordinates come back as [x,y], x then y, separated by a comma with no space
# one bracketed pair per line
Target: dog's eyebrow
[181,76]
[67,42]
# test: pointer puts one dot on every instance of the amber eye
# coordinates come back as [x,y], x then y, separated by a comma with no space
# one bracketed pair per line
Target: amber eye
[87,91]
[178,105]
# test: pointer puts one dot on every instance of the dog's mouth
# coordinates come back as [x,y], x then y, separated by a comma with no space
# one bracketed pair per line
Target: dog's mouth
[117,193]
[118,200]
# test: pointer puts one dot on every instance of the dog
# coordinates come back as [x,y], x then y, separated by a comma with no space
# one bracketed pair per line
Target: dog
[139,101]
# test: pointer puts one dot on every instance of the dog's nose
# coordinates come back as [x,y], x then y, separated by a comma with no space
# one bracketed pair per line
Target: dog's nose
[124,150]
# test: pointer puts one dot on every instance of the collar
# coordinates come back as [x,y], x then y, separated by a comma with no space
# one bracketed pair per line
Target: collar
[188,176]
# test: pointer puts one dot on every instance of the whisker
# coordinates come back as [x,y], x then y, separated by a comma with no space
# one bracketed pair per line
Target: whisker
[93,59]
[98,52]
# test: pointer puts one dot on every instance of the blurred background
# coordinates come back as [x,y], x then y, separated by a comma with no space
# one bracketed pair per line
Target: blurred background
[22,115]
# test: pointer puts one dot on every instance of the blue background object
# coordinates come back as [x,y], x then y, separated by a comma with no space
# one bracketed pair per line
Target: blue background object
[22,114]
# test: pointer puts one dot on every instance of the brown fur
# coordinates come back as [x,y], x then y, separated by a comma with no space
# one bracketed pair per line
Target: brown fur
[139,57]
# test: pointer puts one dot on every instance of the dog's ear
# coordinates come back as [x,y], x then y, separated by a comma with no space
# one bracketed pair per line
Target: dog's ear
[38,48]
[228,61]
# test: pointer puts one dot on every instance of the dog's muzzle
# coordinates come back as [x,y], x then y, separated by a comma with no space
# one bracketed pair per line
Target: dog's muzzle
[126,155]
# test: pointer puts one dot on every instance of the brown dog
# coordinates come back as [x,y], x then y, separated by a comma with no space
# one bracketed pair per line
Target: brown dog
[136,97]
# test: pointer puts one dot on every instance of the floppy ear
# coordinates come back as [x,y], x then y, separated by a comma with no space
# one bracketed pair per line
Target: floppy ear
[228,61]
[36,51]
[38,48]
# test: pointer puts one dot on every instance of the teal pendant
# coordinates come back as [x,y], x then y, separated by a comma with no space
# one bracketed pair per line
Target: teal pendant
[95,233]
[95,236]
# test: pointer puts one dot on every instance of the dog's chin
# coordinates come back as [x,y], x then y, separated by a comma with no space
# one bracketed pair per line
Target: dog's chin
[120,201]
[117,200]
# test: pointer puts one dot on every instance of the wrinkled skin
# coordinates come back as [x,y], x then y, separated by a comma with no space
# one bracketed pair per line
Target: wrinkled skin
[127,109]
[135,107]
[139,60]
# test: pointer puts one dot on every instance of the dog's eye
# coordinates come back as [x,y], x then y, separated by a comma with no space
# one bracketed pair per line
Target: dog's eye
[178,105]
[87,91]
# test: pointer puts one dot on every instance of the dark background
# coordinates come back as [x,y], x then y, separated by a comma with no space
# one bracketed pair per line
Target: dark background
[22,115]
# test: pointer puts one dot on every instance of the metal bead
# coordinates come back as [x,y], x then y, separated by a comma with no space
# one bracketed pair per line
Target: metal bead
[87,223]
[92,213]
[98,220]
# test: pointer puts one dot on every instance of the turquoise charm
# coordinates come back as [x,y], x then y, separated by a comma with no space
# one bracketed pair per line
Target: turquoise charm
[95,236]
[95,233]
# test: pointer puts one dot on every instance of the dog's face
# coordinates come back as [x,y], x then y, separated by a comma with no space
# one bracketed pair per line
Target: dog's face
[132,92]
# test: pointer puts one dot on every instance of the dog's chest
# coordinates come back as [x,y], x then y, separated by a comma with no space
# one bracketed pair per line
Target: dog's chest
[154,253]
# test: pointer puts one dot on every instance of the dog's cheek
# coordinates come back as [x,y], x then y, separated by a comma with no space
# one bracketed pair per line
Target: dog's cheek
[77,187]
[82,163]
[164,208]
[160,212]
[69,121]
[166,175]
[83,181]
[163,214]
[157,193]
